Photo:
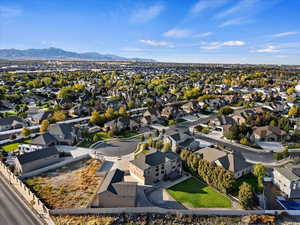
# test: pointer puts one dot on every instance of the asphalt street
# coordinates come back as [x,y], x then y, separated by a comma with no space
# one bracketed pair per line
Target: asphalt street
[12,210]
[117,148]
[264,157]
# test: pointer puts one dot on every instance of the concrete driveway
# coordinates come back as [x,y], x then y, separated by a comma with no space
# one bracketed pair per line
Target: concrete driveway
[161,198]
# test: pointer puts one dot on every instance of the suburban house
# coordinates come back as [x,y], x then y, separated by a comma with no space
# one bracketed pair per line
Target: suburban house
[121,124]
[37,118]
[151,116]
[190,107]
[221,123]
[37,159]
[181,140]
[11,122]
[79,110]
[114,192]
[64,133]
[155,166]
[269,133]
[169,112]
[287,178]
[41,141]
[241,117]
[232,161]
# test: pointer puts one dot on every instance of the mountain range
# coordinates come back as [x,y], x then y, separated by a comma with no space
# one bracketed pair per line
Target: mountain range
[60,54]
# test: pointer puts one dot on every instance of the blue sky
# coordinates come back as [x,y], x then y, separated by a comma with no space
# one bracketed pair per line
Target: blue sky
[214,31]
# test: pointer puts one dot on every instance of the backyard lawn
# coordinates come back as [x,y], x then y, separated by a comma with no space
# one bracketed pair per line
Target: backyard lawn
[250,179]
[194,194]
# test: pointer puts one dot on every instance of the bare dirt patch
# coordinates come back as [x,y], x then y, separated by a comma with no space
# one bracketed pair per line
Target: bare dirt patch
[72,186]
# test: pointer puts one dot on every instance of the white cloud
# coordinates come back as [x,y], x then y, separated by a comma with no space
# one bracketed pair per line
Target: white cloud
[244,11]
[9,12]
[49,43]
[129,49]
[285,34]
[202,5]
[157,43]
[268,49]
[243,6]
[215,45]
[237,21]
[144,15]
[177,33]
[281,56]
[206,34]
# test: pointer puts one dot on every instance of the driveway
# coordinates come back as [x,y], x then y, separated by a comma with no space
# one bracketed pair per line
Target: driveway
[161,198]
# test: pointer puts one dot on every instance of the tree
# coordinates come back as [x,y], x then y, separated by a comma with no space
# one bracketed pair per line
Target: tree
[166,147]
[59,116]
[294,111]
[273,123]
[259,171]
[109,114]
[290,91]
[244,141]
[131,104]
[226,110]
[47,81]
[25,131]
[142,138]
[44,126]
[96,118]
[122,111]
[246,195]
[171,122]
[192,93]
[65,92]
[79,87]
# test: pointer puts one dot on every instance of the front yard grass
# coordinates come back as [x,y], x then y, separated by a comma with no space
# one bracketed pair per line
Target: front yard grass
[194,194]
[127,134]
[13,146]
[68,187]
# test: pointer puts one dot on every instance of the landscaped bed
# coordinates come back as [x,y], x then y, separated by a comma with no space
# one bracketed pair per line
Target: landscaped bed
[72,186]
[194,194]
[103,136]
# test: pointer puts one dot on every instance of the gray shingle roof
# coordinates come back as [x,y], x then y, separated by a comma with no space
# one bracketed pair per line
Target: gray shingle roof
[144,161]
[113,176]
[36,155]
[113,182]
[44,139]
[289,171]
[10,119]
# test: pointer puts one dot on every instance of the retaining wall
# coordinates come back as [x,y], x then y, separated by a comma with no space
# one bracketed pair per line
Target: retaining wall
[157,210]
[25,192]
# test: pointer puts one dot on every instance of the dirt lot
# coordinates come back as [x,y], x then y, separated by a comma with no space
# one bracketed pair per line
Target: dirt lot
[72,186]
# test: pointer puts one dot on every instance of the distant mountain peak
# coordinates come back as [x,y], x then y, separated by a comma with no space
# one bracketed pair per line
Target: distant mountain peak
[53,53]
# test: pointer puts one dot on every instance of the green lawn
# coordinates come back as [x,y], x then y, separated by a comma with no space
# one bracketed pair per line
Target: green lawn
[127,134]
[250,179]
[12,147]
[194,194]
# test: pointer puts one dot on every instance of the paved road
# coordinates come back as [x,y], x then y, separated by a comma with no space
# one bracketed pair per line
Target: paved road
[117,148]
[264,157]
[12,210]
